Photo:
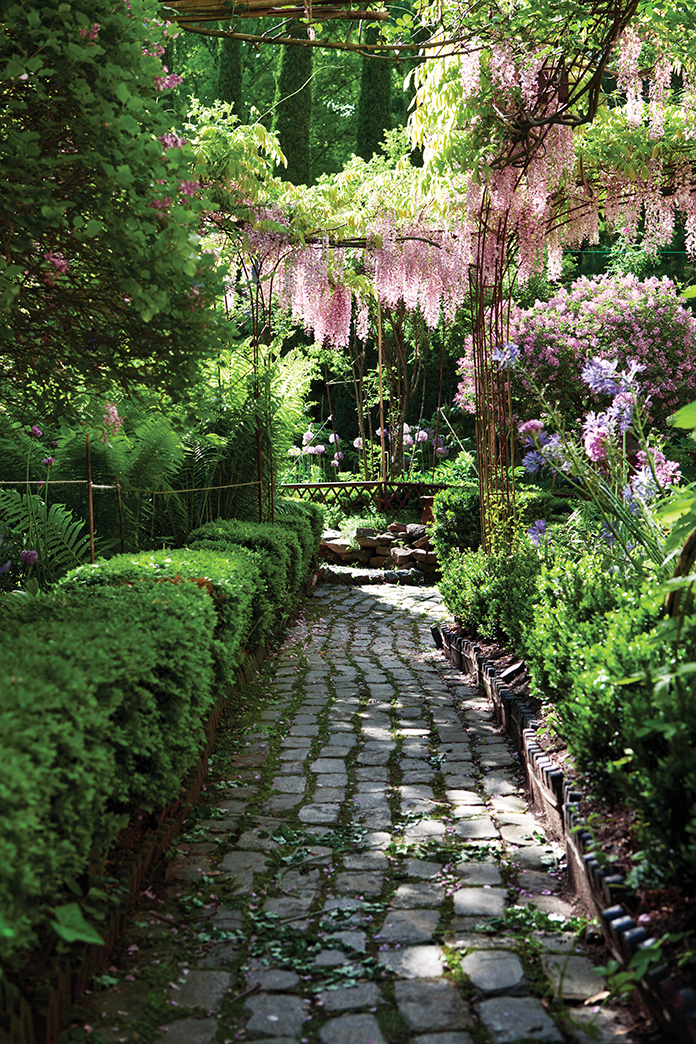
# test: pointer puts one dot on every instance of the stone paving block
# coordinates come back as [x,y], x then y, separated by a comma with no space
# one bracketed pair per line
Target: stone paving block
[250,839]
[573,978]
[453,1037]
[223,955]
[372,772]
[332,779]
[282,802]
[479,902]
[422,868]
[425,828]
[293,754]
[409,926]
[509,1019]
[325,765]
[377,800]
[502,784]
[424,775]
[290,784]
[320,813]
[189,1031]
[474,873]
[511,803]
[373,757]
[557,942]
[335,752]
[534,857]
[550,904]
[414,962]
[233,806]
[353,940]
[537,881]
[366,861]
[364,995]
[202,989]
[188,868]
[463,797]
[352,1029]
[276,1014]
[340,739]
[414,765]
[432,1005]
[495,971]
[418,894]
[365,883]
[273,980]
[325,794]
[482,829]
[289,906]
[242,866]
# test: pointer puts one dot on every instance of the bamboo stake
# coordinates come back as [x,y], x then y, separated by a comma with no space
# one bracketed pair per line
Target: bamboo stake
[90,502]
[120,515]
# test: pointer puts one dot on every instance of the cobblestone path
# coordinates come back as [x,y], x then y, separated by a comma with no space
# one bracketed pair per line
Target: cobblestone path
[365,870]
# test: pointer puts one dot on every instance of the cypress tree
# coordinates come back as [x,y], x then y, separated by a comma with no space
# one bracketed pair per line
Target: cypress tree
[229,78]
[374,105]
[293,109]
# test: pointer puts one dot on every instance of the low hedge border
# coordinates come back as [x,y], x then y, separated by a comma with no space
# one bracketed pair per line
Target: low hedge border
[42,1020]
[602,891]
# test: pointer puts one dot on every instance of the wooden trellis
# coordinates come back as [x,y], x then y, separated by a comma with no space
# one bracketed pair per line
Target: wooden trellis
[389,497]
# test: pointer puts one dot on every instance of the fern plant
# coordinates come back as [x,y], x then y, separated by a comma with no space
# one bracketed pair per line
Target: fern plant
[60,540]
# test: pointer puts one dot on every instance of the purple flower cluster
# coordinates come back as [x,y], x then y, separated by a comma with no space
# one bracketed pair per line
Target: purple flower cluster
[29,558]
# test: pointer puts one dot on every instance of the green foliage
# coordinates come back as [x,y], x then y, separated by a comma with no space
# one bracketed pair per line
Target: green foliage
[374,107]
[287,508]
[60,540]
[104,697]
[101,241]
[491,594]
[229,576]
[293,108]
[458,518]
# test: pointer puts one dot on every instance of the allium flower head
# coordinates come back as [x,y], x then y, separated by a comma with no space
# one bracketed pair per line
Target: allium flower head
[49,461]
[358,443]
[294,451]
[307,437]
[507,356]
[334,438]
[29,557]
[422,435]
[408,440]
[35,432]
[537,532]
[53,444]
[600,376]
[338,456]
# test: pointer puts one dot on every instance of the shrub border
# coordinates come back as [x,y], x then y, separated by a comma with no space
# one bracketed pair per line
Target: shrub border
[602,891]
[43,1021]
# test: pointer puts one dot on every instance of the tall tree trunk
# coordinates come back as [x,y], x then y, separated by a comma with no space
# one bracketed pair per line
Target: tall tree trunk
[293,109]
[229,78]
[374,106]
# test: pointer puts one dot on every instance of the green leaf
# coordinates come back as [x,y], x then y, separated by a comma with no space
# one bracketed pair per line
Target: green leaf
[93,227]
[686,416]
[71,926]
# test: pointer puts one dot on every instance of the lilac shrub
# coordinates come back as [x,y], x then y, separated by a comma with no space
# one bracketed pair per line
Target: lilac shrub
[617,317]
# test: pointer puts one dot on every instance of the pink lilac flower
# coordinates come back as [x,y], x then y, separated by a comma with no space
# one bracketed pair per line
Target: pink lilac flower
[189,188]
[90,34]
[57,260]
[111,418]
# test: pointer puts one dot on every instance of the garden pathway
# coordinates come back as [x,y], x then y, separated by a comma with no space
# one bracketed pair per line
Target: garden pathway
[366,869]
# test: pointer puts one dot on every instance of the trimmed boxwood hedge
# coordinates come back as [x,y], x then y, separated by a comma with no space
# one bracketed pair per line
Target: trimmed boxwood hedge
[107,683]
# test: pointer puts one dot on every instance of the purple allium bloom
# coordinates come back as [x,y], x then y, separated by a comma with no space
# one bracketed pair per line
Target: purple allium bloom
[334,439]
[29,557]
[318,450]
[438,443]
[441,451]
[53,444]
[307,437]
[507,356]
[621,411]
[405,429]
[333,463]
[338,456]
[49,461]
[408,440]
[422,436]
[358,443]
[532,462]
[35,432]
[294,451]
[600,376]
[537,532]
[628,376]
